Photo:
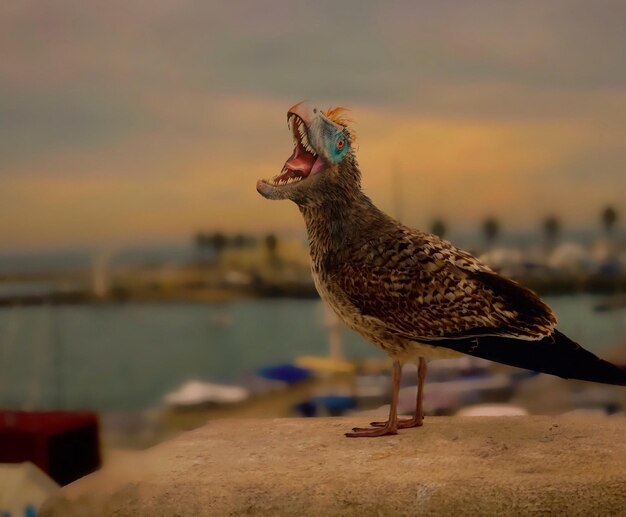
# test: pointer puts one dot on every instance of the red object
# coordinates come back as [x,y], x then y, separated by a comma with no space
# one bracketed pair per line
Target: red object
[64,444]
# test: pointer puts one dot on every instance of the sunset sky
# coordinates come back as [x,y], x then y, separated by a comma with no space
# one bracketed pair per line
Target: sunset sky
[147,121]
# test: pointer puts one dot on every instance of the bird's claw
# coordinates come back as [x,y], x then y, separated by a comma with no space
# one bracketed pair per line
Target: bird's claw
[402,424]
[370,432]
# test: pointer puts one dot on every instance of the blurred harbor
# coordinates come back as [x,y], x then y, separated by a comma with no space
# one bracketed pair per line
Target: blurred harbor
[156,340]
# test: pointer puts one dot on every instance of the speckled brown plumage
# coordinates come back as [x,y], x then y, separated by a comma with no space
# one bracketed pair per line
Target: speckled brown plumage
[385,279]
[409,292]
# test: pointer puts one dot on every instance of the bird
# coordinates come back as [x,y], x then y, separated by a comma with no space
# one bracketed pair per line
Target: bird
[414,295]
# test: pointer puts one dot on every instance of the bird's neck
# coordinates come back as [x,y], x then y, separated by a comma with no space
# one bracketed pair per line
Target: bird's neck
[337,225]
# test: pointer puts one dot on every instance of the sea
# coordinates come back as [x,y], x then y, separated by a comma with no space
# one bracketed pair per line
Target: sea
[126,357]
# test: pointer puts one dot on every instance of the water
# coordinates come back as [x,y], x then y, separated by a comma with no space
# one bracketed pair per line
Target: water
[126,357]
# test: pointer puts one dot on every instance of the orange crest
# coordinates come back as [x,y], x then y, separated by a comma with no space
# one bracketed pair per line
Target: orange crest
[338,116]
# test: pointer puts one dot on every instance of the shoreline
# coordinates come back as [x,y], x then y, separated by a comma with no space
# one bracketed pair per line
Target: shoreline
[611,289]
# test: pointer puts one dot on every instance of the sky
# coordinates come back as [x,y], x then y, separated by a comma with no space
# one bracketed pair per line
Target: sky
[147,121]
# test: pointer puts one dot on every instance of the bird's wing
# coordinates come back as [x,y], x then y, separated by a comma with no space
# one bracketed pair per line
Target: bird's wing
[424,288]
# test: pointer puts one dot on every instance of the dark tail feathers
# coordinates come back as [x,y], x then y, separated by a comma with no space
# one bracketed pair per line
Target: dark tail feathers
[556,354]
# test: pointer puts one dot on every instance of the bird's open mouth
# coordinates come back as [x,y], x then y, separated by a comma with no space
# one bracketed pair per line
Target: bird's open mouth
[303,161]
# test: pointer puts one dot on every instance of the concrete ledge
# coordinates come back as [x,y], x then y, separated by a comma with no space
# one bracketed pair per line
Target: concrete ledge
[451,466]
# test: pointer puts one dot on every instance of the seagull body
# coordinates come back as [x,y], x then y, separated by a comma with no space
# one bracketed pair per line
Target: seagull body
[414,295]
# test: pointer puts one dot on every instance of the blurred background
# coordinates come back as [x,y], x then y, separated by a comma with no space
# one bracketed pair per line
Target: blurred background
[141,275]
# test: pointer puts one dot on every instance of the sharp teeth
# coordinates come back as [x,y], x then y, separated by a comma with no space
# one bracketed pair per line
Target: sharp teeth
[302,133]
[305,142]
[278,180]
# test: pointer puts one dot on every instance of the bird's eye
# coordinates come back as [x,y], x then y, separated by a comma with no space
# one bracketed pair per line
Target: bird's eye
[340,143]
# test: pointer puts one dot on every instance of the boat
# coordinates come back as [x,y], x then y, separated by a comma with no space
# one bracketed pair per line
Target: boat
[287,373]
[492,410]
[195,394]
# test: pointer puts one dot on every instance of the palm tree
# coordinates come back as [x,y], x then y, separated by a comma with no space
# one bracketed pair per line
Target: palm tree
[219,241]
[609,218]
[491,229]
[239,240]
[271,243]
[439,228]
[552,229]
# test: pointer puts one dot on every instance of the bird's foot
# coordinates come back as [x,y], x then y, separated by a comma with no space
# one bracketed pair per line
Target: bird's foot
[372,432]
[402,424]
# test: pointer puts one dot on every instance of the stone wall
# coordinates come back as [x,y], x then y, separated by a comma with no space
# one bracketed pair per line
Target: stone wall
[451,466]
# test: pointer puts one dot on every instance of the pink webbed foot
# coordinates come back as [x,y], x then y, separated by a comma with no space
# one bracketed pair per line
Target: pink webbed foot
[417,420]
[390,427]
[402,424]
[372,432]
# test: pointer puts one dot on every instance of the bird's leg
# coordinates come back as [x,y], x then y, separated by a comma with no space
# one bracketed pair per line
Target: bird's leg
[417,419]
[391,426]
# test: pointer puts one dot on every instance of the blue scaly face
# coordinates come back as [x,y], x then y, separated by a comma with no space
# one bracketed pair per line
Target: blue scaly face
[339,147]
[330,139]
